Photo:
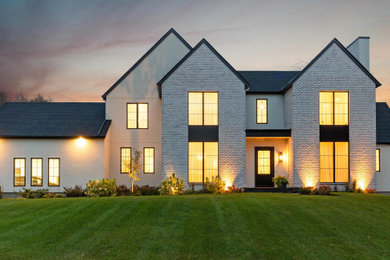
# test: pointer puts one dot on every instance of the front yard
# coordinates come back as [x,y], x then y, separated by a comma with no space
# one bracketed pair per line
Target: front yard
[245,225]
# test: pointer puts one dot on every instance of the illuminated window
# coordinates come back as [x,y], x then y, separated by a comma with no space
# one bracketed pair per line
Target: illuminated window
[263,162]
[125,159]
[19,171]
[202,108]
[202,161]
[378,160]
[261,111]
[148,160]
[137,115]
[334,162]
[54,172]
[36,171]
[334,108]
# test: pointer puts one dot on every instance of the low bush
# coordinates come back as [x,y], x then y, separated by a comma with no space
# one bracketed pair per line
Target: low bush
[368,190]
[324,190]
[33,194]
[101,188]
[149,190]
[52,195]
[234,189]
[77,191]
[171,186]
[280,181]
[305,190]
[215,185]
[123,190]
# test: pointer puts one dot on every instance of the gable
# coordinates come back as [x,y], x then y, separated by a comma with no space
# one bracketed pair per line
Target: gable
[161,57]
[341,56]
[205,49]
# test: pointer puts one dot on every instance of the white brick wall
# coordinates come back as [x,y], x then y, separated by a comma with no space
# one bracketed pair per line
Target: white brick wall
[334,70]
[203,71]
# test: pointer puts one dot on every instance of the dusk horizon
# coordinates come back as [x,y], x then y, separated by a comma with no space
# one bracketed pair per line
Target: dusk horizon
[75,51]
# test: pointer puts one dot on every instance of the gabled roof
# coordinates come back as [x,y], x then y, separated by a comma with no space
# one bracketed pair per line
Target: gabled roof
[53,120]
[203,41]
[267,81]
[144,56]
[334,41]
[382,123]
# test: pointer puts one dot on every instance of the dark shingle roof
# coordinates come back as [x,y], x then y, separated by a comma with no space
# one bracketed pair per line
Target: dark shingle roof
[53,120]
[267,81]
[382,123]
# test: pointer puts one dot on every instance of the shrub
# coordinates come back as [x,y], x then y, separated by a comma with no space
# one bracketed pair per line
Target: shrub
[59,195]
[171,186]
[324,190]
[48,195]
[77,191]
[101,188]
[305,190]
[233,189]
[1,193]
[51,195]
[149,190]
[216,185]
[33,194]
[123,190]
[368,190]
[280,181]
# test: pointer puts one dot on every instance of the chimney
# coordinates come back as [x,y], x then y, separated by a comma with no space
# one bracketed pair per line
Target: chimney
[360,48]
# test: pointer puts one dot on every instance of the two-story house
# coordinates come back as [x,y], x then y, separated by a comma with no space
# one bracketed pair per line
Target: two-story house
[187,111]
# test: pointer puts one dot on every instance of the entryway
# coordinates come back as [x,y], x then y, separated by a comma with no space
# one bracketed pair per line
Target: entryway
[264,166]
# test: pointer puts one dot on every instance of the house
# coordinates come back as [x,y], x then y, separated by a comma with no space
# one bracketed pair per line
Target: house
[189,112]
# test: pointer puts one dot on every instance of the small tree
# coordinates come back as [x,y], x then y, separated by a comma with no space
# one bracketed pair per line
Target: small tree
[134,169]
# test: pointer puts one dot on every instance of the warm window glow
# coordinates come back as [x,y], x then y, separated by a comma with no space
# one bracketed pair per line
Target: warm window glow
[334,108]
[202,108]
[36,172]
[263,162]
[125,159]
[201,167]
[378,160]
[19,172]
[137,115]
[54,172]
[261,111]
[334,162]
[149,160]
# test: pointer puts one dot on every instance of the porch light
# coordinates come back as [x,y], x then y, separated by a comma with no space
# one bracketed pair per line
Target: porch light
[81,142]
[280,157]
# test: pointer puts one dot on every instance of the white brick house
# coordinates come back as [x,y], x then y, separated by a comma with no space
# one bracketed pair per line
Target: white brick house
[189,112]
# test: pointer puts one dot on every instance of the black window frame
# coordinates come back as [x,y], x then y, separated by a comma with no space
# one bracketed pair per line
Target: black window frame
[188,107]
[137,114]
[154,161]
[266,111]
[120,158]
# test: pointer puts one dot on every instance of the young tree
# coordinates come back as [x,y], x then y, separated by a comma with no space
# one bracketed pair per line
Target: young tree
[134,169]
[40,99]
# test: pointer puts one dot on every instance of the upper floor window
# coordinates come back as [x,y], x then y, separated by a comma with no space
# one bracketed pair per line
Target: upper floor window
[334,108]
[378,160]
[202,108]
[261,111]
[137,115]
[19,171]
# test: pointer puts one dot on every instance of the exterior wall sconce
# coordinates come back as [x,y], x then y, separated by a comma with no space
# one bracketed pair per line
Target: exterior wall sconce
[280,157]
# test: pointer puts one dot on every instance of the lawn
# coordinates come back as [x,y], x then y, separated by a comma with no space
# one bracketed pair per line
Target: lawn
[250,225]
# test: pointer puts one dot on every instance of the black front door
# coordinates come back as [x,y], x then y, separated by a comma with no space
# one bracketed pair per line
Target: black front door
[264,166]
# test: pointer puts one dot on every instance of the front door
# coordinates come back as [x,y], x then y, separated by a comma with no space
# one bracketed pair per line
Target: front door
[264,166]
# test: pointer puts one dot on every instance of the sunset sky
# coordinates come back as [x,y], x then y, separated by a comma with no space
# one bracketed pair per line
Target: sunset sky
[75,50]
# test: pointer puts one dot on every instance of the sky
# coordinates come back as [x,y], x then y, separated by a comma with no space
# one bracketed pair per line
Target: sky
[75,50]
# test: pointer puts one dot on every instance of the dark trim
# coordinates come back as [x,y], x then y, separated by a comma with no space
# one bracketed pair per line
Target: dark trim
[50,137]
[254,92]
[334,133]
[377,149]
[127,114]
[266,111]
[120,159]
[268,133]
[143,57]
[25,171]
[48,172]
[334,41]
[360,37]
[203,41]
[154,161]
[203,133]
[383,142]
[31,171]
[104,128]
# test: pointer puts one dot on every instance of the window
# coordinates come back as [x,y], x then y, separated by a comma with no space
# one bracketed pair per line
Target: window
[334,108]
[334,162]
[261,111]
[36,171]
[19,171]
[202,161]
[54,172]
[149,160]
[137,115]
[202,108]
[125,159]
[378,160]
[263,162]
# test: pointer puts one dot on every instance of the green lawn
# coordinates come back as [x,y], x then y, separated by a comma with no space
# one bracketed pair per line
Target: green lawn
[198,226]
